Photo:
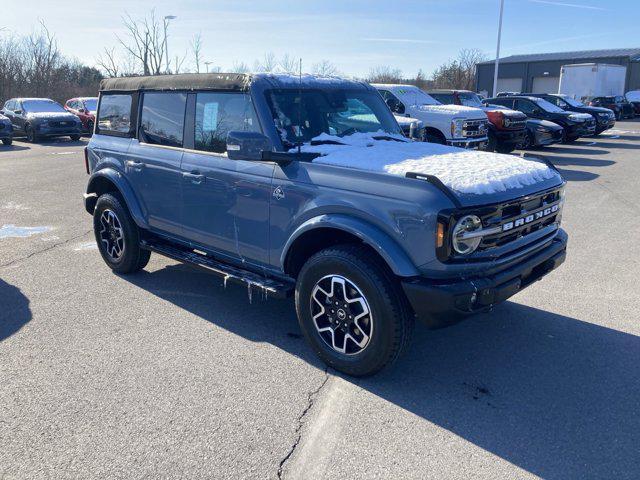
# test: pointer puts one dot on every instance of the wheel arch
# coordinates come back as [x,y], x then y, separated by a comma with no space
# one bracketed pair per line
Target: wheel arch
[108,180]
[328,230]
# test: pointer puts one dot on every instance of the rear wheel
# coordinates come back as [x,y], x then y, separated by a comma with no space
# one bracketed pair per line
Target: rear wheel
[117,236]
[352,310]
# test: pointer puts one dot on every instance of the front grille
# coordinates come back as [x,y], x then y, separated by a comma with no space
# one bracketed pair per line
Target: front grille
[517,124]
[61,124]
[474,128]
[524,216]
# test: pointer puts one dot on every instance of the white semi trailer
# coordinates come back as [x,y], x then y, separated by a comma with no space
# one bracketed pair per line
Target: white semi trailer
[584,81]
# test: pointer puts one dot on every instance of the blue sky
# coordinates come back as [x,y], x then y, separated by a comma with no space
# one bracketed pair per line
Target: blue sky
[355,35]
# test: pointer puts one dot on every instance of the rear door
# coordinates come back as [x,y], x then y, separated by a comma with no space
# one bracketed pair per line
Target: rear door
[153,160]
[225,202]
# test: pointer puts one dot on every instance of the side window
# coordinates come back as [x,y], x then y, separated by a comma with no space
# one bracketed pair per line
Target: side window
[162,119]
[9,105]
[555,100]
[114,114]
[392,101]
[217,114]
[525,106]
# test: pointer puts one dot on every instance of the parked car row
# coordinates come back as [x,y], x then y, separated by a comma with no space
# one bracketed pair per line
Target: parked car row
[39,118]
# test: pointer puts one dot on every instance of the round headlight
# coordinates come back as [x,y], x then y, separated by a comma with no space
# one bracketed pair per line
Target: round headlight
[467,224]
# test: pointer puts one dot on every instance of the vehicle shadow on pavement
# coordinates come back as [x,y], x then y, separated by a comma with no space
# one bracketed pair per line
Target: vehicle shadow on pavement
[12,148]
[14,310]
[554,395]
[575,151]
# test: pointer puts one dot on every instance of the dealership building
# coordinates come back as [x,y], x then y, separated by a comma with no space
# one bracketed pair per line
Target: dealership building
[540,73]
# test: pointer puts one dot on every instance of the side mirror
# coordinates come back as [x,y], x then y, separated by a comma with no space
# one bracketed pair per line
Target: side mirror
[247,145]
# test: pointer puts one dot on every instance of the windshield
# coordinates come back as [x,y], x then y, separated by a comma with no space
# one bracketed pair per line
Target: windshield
[91,104]
[338,112]
[414,96]
[548,106]
[470,99]
[573,102]
[39,106]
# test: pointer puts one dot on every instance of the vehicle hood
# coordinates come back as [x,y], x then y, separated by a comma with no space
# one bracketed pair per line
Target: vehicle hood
[474,177]
[449,110]
[592,110]
[507,112]
[583,116]
[55,116]
[535,122]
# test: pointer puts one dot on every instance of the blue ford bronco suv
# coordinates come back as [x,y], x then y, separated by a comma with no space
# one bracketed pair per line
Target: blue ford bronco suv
[305,186]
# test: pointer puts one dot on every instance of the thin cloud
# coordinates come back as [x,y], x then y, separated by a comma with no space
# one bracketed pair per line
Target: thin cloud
[397,40]
[560,40]
[571,5]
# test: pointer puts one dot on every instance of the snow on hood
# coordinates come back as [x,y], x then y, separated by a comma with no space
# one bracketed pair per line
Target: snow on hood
[465,171]
[55,115]
[402,120]
[469,112]
[633,96]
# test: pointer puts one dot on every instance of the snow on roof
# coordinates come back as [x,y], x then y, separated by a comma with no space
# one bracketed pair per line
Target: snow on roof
[292,80]
[465,171]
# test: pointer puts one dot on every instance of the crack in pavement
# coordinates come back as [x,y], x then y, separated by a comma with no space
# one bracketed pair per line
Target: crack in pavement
[50,247]
[311,397]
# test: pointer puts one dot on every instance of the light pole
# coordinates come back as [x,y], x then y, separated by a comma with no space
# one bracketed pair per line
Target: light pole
[495,69]
[207,65]
[167,19]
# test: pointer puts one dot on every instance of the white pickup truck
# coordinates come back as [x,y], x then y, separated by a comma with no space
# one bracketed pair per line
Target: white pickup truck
[446,124]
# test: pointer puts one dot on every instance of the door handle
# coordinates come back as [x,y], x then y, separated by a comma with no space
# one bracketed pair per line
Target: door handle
[194,177]
[135,165]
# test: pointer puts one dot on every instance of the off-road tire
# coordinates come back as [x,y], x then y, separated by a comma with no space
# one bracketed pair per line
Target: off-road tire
[392,318]
[7,141]
[133,257]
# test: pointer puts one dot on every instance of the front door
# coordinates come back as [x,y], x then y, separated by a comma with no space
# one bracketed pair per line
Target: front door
[225,202]
[153,160]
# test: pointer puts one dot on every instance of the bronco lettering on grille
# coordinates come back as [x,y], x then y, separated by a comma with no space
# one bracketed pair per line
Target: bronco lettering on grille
[530,218]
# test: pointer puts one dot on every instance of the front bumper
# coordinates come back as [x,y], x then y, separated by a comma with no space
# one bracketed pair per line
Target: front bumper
[580,130]
[59,132]
[512,137]
[472,142]
[440,304]
[603,125]
[547,137]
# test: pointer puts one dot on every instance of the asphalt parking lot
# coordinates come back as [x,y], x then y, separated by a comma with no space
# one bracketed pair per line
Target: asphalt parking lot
[165,373]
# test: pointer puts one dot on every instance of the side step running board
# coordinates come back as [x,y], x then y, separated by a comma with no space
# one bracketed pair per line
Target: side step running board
[265,285]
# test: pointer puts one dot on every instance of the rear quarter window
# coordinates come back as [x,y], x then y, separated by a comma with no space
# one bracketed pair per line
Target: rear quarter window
[114,115]
[162,119]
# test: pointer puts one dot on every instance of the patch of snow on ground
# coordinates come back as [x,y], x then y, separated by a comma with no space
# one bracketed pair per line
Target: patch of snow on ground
[86,246]
[465,171]
[14,206]
[11,231]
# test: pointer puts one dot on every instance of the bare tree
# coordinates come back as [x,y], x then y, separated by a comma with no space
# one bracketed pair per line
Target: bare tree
[384,74]
[146,42]
[459,73]
[240,67]
[267,64]
[179,62]
[196,50]
[325,68]
[108,62]
[288,64]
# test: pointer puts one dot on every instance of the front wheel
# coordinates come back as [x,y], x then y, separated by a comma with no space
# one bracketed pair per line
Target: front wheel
[32,137]
[74,138]
[527,141]
[352,310]
[7,141]
[117,236]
